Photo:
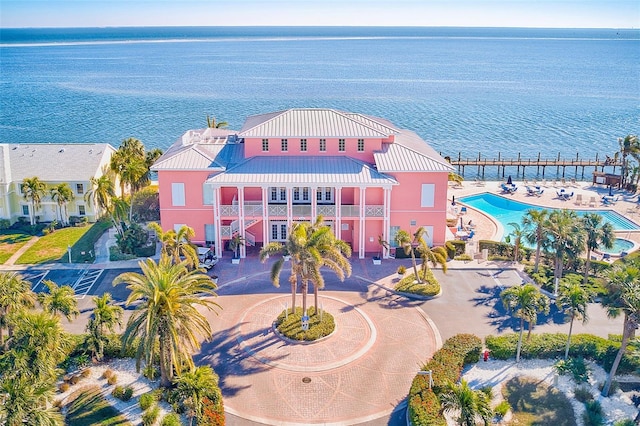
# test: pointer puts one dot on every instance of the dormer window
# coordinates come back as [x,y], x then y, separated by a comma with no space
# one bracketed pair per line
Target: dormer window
[323,145]
[341,145]
[284,145]
[360,145]
[265,145]
[303,145]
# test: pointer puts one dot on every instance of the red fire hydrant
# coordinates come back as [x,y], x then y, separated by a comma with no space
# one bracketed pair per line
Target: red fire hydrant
[485,355]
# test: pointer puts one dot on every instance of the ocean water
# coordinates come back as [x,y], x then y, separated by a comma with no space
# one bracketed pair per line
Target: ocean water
[464,90]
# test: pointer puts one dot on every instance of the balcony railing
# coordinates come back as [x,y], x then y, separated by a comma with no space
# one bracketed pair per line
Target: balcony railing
[303,210]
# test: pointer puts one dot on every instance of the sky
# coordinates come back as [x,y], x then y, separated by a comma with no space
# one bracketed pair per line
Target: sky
[464,13]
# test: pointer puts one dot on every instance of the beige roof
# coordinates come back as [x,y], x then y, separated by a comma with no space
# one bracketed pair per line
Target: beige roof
[54,162]
[201,149]
[325,123]
[409,153]
[303,171]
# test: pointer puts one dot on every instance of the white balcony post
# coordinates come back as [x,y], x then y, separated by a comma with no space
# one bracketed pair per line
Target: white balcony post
[216,221]
[386,224]
[314,204]
[241,222]
[289,206]
[265,216]
[361,233]
[338,204]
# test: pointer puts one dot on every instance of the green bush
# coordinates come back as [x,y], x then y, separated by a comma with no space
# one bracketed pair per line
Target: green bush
[402,269]
[456,248]
[5,224]
[63,387]
[116,255]
[625,422]
[290,325]
[147,400]
[118,391]
[464,257]
[146,251]
[134,236]
[430,286]
[112,379]
[171,419]
[446,366]
[150,416]
[593,415]
[146,205]
[128,393]
[502,409]
[583,394]
[552,345]
[574,366]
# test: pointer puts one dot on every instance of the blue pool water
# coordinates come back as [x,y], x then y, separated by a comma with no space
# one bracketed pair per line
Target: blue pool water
[620,245]
[507,211]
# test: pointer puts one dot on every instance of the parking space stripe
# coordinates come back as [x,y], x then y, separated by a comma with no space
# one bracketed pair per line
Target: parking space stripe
[40,276]
[83,285]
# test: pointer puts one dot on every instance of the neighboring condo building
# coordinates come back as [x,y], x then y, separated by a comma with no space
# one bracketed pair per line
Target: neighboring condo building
[53,164]
[363,175]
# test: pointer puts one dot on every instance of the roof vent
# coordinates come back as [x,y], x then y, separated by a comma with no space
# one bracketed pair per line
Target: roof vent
[62,150]
[91,151]
[14,148]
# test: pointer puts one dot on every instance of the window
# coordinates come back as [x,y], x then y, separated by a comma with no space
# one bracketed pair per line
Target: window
[393,231]
[207,194]
[284,145]
[79,188]
[296,194]
[265,145]
[283,231]
[81,210]
[360,145]
[278,194]
[209,233]
[278,231]
[324,194]
[323,145]
[274,232]
[341,146]
[327,194]
[25,210]
[274,194]
[428,195]
[283,194]
[303,145]
[177,194]
[305,194]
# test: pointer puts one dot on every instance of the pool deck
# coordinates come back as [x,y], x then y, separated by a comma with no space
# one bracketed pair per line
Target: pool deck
[486,228]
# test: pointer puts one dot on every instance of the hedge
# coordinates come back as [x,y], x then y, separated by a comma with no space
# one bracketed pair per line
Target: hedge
[552,345]
[408,284]
[82,250]
[446,366]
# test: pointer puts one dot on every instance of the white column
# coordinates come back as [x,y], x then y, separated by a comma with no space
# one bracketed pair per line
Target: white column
[386,218]
[338,203]
[241,230]
[216,221]
[314,204]
[361,234]
[289,206]
[265,216]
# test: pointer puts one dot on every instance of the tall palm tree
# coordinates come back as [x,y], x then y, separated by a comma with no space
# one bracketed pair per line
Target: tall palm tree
[166,314]
[59,300]
[629,145]
[178,245]
[212,123]
[62,194]
[534,222]
[196,385]
[101,194]
[573,299]
[470,405]
[26,401]
[126,162]
[597,234]
[15,294]
[33,191]
[622,297]
[524,302]
[517,235]
[106,316]
[567,239]
[404,240]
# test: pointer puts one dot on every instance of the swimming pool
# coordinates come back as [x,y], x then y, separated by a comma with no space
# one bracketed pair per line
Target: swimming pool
[507,211]
[620,245]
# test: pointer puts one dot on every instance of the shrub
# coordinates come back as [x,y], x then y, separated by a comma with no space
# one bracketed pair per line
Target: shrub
[74,379]
[456,248]
[464,257]
[402,269]
[446,366]
[430,286]
[63,387]
[133,237]
[625,422]
[116,255]
[127,394]
[117,392]
[289,324]
[502,409]
[583,394]
[5,224]
[212,412]
[574,366]
[107,374]
[150,372]
[147,400]
[112,380]
[593,415]
[146,205]
[85,373]
[171,419]
[150,416]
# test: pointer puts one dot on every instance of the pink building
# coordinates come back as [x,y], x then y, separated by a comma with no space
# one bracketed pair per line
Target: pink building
[363,175]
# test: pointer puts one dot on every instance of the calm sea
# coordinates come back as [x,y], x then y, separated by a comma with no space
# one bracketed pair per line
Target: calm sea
[465,90]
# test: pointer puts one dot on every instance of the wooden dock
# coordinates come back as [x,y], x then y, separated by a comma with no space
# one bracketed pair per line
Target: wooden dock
[558,165]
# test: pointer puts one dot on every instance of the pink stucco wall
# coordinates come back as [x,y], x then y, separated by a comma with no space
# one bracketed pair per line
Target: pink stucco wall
[253,147]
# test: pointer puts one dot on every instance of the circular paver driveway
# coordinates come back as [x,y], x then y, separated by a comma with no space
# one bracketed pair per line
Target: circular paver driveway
[360,373]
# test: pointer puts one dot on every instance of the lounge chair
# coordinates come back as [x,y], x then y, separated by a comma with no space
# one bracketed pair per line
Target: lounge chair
[608,200]
[592,202]
[579,200]
[509,189]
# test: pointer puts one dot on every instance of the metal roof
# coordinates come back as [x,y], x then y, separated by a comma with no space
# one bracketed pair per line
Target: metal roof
[409,153]
[198,153]
[302,171]
[324,123]
[54,162]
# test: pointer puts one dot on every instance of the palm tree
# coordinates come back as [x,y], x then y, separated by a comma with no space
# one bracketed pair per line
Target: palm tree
[623,296]
[517,235]
[15,294]
[597,234]
[628,146]
[524,302]
[178,245]
[193,386]
[567,239]
[166,314]
[534,222]
[470,404]
[102,193]
[62,194]
[404,240]
[59,300]
[105,317]
[25,401]
[128,161]
[212,124]
[33,190]
[573,299]
[235,243]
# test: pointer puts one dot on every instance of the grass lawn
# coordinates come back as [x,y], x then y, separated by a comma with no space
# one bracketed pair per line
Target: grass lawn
[88,407]
[10,242]
[53,247]
[535,403]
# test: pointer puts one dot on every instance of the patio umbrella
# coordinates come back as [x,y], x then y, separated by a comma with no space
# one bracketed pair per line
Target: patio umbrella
[610,191]
[453,200]
[461,225]
[509,181]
